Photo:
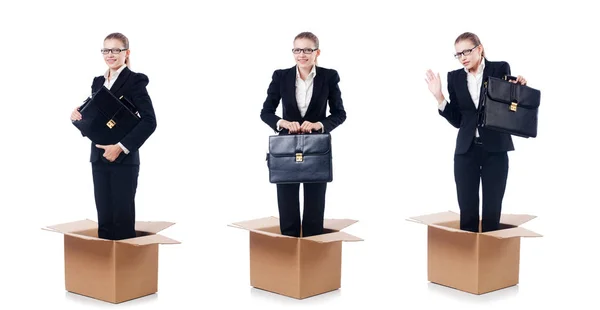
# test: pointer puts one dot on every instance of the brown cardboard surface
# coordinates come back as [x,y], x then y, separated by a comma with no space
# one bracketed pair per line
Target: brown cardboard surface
[295,267]
[89,260]
[477,263]
[498,263]
[274,264]
[136,271]
[320,268]
[112,271]
[452,259]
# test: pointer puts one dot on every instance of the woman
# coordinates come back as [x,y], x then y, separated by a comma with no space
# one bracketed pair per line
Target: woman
[480,153]
[304,91]
[115,167]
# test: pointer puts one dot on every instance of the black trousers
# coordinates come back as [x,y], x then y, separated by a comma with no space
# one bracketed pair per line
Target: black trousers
[288,200]
[114,191]
[492,169]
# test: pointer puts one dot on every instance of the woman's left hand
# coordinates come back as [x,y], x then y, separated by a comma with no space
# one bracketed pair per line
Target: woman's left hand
[308,127]
[111,152]
[521,80]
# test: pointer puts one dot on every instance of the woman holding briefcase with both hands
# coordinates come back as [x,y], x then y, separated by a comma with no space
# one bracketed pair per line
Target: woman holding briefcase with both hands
[304,90]
[480,153]
[115,168]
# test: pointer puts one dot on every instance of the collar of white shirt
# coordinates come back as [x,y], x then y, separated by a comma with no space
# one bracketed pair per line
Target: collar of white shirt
[114,77]
[480,69]
[312,74]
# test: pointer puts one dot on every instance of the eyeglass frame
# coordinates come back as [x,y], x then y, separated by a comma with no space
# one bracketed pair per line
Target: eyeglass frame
[111,50]
[469,51]
[303,50]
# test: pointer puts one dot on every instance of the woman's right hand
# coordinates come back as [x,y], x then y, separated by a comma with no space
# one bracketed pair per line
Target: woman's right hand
[434,84]
[75,115]
[292,127]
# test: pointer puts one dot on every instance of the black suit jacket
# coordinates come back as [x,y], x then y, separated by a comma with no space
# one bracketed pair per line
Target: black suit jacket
[462,113]
[132,86]
[325,89]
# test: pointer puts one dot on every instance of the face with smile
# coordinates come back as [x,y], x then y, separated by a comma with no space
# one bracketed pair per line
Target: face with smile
[305,59]
[114,59]
[469,54]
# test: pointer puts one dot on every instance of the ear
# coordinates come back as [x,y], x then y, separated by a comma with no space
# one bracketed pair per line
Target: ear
[318,53]
[127,52]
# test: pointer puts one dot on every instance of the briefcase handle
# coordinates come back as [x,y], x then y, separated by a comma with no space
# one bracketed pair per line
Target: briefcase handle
[301,133]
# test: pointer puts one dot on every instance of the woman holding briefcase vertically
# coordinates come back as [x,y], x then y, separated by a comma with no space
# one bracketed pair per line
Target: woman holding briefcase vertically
[115,168]
[480,153]
[304,90]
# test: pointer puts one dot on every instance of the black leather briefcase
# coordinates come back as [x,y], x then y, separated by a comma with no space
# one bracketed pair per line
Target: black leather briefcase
[300,158]
[106,119]
[510,108]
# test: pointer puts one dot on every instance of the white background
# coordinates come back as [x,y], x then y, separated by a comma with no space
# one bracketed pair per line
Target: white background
[209,66]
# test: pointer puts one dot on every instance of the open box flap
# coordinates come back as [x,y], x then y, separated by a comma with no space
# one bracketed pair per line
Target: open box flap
[516,219]
[337,224]
[333,237]
[152,227]
[73,226]
[257,223]
[149,239]
[512,233]
[435,218]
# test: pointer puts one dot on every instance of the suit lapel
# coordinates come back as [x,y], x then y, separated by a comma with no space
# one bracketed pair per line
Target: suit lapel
[290,84]
[317,86]
[486,73]
[98,82]
[463,89]
[121,79]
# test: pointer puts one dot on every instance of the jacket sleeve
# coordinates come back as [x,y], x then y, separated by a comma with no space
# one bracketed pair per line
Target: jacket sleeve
[140,98]
[451,111]
[267,114]
[336,107]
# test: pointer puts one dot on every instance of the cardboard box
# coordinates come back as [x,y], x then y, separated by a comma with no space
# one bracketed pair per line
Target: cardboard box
[477,263]
[112,271]
[296,267]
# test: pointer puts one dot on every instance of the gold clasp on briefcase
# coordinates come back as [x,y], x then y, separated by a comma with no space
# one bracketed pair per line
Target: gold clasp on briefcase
[513,106]
[299,157]
[111,124]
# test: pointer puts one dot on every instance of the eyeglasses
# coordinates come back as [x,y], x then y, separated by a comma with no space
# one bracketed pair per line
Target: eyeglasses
[105,51]
[304,50]
[465,52]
